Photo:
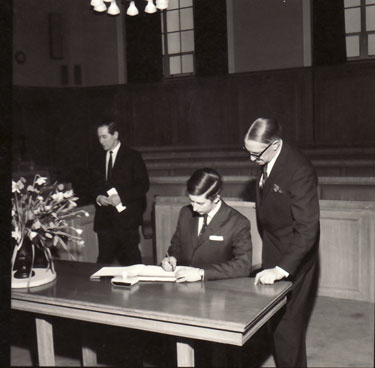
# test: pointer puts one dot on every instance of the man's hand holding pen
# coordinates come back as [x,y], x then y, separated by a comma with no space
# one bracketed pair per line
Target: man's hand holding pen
[169,263]
[184,274]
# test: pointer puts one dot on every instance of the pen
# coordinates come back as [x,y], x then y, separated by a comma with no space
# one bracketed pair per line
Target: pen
[173,267]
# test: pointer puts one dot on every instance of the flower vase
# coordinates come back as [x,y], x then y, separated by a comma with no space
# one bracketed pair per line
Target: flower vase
[30,267]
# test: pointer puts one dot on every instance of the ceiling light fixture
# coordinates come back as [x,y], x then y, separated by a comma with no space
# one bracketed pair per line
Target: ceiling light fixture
[113,9]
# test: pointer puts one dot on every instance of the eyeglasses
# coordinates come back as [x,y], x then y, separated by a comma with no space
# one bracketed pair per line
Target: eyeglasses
[259,155]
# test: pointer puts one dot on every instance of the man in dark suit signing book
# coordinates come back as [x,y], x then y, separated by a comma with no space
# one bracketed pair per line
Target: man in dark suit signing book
[212,239]
[287,208]
[119,184]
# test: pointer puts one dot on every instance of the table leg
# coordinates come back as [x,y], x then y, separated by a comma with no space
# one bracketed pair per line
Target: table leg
[235,356]
[219,355]
[44,333]
[185,353]
[88,350]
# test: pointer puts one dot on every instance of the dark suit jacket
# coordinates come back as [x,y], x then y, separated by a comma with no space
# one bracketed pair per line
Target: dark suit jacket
[130,178]
[226,257]
[288,213]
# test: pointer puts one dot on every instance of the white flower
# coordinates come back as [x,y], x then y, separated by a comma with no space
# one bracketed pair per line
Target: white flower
[68,194]
[17,187]
[39,216]
[16,234]
[72,204]
[32,235]
[30,215]
[41,180]
[30,188]
[58,197]
[36,225]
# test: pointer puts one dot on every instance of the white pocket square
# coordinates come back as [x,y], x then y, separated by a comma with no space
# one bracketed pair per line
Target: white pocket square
[216,237]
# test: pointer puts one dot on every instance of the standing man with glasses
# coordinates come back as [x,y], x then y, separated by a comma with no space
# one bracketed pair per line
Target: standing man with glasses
[287,208]
[119,183]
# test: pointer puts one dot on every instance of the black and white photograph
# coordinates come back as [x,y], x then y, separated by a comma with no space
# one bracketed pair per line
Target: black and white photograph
[187,183]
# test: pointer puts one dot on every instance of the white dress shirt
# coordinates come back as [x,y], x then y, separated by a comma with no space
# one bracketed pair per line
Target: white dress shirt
[114,154]
[210,216]
[272,162]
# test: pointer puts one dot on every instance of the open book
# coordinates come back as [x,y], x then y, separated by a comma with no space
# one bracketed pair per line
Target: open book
[140,271]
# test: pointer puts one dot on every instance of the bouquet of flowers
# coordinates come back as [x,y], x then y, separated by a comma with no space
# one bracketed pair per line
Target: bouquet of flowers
[39,217]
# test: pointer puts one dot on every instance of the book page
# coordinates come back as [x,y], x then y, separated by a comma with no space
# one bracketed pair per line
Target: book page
[118,271]
[143,272]
[120,206]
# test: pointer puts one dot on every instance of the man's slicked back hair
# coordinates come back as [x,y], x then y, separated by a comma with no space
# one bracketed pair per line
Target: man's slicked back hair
[205,181]
[112,126]
[264,130]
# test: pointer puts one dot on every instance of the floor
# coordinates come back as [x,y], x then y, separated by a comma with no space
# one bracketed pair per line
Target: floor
[341,334]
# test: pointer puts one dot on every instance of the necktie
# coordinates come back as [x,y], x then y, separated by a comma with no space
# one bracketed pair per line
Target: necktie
[109,169]
[204,226]
[264,176]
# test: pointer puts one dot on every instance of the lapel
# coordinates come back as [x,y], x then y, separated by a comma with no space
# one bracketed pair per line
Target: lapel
[277,170]
[258,192]
[120,157]
[215,224]
[103,164]
[194,229]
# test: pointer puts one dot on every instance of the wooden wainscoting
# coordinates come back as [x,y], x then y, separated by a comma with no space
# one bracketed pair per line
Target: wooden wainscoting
[346,243]
[347,249]
[89,252]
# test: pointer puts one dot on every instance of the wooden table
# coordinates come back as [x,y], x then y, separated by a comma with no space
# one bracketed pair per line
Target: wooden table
[225,311]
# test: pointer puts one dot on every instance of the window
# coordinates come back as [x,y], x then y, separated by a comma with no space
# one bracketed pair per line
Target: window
[360,28]
[178,38]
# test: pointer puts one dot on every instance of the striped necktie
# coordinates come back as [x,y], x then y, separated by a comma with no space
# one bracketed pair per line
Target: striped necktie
[264,176]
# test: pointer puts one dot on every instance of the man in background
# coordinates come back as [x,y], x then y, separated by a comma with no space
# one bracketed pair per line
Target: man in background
[287,208]
[211,238]
[119,183]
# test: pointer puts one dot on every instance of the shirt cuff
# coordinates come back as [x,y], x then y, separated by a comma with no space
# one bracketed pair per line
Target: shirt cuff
[97,201]
[201,273]
[286,274]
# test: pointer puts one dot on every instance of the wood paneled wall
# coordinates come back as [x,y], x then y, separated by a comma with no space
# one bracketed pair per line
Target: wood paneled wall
[347,250]
[344,104]
[332,106]
[347,242]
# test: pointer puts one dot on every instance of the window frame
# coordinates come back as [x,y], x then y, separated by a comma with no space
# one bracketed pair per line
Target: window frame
[363,33]
[166,55]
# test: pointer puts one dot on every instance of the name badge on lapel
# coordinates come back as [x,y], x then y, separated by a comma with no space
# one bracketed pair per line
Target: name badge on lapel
[216,237]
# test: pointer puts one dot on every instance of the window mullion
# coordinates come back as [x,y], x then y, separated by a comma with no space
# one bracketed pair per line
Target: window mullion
[363,35]
[165,37]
